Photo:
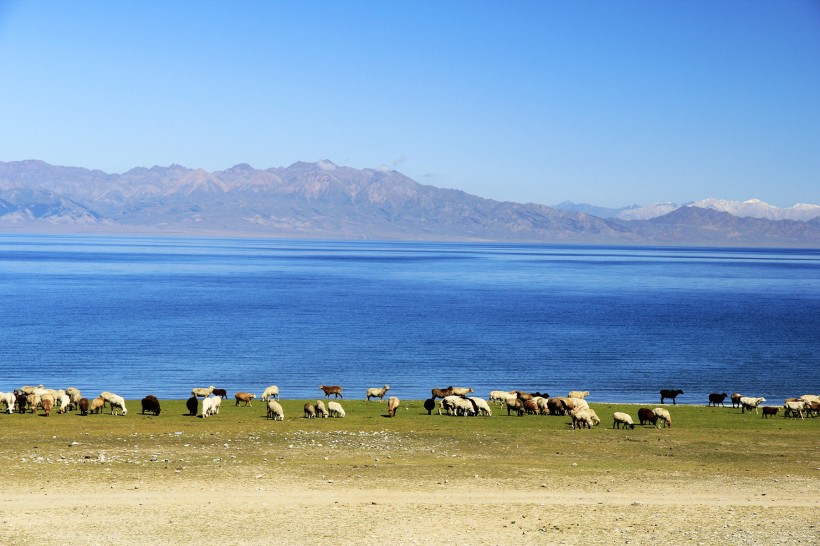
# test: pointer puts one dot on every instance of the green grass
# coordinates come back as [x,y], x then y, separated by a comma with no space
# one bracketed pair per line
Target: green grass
[414,446]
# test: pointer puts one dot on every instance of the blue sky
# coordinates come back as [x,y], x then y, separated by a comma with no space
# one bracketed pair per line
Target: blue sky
[605,102]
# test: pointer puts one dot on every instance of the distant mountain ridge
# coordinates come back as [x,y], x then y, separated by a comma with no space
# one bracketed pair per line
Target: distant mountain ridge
[324,200]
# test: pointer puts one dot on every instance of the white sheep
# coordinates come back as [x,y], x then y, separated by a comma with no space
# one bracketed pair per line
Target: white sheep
[750,403]
[664,416]
[271,392]
[810,398]
[621,418]
[320,409]
[578,394]
[462,391]
[456,405]
[794,407]
[335,409]
[392,405]
[584,417]
[116,402]
[65,403]
[208,405]
[275,411]
[500,396]
[202,391]
[376,393]
[481,406]
[8,399]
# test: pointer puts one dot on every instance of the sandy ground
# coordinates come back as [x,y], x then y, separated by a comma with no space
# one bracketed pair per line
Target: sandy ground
[281,509]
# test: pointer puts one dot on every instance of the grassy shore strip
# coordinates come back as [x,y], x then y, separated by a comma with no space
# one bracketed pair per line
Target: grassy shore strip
[720,442]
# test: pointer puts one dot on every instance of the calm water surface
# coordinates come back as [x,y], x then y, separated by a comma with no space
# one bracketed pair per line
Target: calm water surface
[161,315]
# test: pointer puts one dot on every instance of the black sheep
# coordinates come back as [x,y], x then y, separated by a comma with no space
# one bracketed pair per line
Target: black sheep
[430,405]
[150,404]
[193,405]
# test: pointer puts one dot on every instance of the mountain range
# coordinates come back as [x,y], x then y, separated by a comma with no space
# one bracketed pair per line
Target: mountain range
[324,200]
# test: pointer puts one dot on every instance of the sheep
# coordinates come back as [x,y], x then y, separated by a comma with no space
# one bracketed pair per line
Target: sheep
[275,411]
[192,404]
[810,398]
[531,407]
[584,417]
[770,411]
[668,393]
[664,416]
[430,405]
[578,394]
[716,399]
[646,415]
[271,392]
[621,418]
[96,405]
[813,408]
[376,393]
[793,408]
[543,408]
[448,404]
[151,404]
[216,403]
[460,406]
[8,399]
[116,402]
[202,391]
[30,390]
[573,403]
[499,396]
[516,405]
[555,406]
[750,403]
[47,401]
[82,405]
[34,402]
[392,405]
[462,391]
[65,403]
[335,390]
[320,409]
[21,402]
[208,406]
[736,396]
[441,393]
[310,411]
[481,406]
[222,393]
[244,397]
[71,391]
[335,409]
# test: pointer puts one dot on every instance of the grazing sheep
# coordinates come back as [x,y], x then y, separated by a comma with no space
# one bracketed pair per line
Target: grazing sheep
[151,404]
[668,393]
[275,411]
[115,401]
[392,406]
[46,402]
[750,403]
[222,393]
[310,411]
[202,391]
[211,405]
[320,409]
[716,399]
[29,390]
[480,406]
[582,417]
[71,391]
[335,390]
[65,403]
[271,392]
[217,403]
[770,411]
[516,405]
[543,409]
[664,416]
[82,405]
[500,396]
[462,391]
[531,407]
[335,409]
[430,405]
[793,408]
[96,405]
[441,393]
[376,393]
[621,418]
[456,405]
[521,395]
[555,406]
[244,397]
[8,399]
[34,402]
[192,404]
[646,415]
[735,397]
[573,403]
[21,402]
[578,394]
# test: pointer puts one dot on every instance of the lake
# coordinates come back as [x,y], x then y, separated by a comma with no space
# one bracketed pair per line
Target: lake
[140,315]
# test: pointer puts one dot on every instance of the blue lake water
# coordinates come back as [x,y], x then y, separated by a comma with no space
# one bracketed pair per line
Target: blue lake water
[140,315]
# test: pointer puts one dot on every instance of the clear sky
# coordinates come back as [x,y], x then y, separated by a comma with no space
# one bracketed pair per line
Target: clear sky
[606,102]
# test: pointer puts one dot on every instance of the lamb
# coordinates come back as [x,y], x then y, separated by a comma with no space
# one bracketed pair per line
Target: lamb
[376,393]
[116,402]
[664,416]
[584,417]
[770,411]
[716,399]
[462,391]
[481,406]
[320,409]
[441,393]
[499,396]
[275,411]
[222,393]
[8,399]
[392,405]
[646,415]
[82,405]
[202,391]
[151,404]
[335,409]
[578,394]
[668,393]
[96,405]
[192,404]
[736,396]
[750,403]
[335,390]
[244,397]
[310,411]
[621,418]
[271,392]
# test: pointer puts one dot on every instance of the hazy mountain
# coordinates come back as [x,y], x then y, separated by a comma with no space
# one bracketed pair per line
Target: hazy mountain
[325,200]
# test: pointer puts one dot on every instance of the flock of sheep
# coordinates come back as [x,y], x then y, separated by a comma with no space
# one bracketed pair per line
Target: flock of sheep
[453,401]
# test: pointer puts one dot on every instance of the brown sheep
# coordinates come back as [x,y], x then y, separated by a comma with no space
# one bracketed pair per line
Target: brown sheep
[441,393]
[244,397]
[770,411]
[83,406]
[335,390]
[646,415]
